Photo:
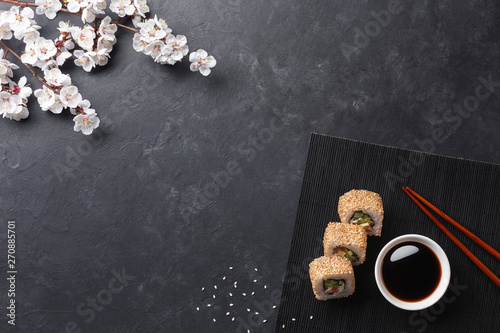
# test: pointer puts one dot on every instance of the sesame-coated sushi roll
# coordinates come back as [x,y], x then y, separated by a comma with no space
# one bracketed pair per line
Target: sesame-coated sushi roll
[363,208]
[345,240]
[331,277]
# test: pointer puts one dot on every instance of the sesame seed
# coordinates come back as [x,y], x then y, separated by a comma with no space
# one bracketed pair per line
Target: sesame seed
[224,278]
[202,288]
[248,331]
[209,305]
[256,270]
[254,281]
[248,310]
[213,296]
[274,306]
[215,287]
[293,319]
[232,319]
[311,317]
[230,294]
[256,313]
[264,321]
[265,287]
[230,267]
[253,293]
[227,313]
[283,326]
[231,304]
[214,320]
[244,294]
[197,309]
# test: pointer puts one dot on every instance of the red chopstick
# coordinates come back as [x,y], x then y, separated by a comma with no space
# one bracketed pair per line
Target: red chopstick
[413,195]
[469,234]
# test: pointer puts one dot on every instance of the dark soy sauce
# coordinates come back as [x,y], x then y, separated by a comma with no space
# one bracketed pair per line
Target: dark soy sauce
[411,271]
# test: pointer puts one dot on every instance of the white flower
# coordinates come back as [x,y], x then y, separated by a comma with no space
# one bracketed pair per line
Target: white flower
[70,97]
[154,49]
[88,15]
[101,57]
[5,31]
[31,34]
[8,103]
[21,112]
[97,6]
[46,97]
[85,59]
[86,122]
[48,7]
[106,29]
[139,43]
[122,7]
[84,37]
[21,90]
[200,60]
[6,68]
[19,20]
[105,44]
[64,27]
[56,78]
[45,48]
[141,7]
[75,6]
[83,105]
[62,57]
[58,106]
[179,46]
[150,32]
[29,56]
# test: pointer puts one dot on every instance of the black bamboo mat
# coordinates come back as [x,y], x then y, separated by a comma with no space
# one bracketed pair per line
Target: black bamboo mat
[468,191]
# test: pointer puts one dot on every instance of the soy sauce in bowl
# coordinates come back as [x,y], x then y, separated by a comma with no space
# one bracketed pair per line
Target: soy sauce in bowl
[411,271]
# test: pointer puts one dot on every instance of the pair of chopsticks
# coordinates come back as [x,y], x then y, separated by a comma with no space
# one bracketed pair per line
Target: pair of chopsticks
[415,197]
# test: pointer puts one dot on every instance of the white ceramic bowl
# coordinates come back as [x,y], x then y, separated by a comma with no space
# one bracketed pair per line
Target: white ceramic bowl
[443,282]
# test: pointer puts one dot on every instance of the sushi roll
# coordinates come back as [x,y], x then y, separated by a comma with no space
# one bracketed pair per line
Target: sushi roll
[363,208]
[345,240]
[331,277]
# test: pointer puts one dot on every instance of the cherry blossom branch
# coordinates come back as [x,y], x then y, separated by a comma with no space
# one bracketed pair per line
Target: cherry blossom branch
[24,4]
[9,50]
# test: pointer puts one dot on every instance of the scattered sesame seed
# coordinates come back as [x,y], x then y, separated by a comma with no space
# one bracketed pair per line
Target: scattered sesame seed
[311,317]
[244,294]
[264,321]
[215,287]
[197,309]
[230,294]
[224,278]
[227,313]
[256,270]
[231,304]
[283,326]
[214,320]
[232,319]
[265,287]
[253,293]
[248,310]
[254,281]
[256,313]
[202,288]
[293,319]
[248,331]
[213,296]
[274,306]
[209,305]
[230,267]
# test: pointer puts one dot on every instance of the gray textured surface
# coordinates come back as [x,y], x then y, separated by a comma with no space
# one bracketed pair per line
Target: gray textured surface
[132,198]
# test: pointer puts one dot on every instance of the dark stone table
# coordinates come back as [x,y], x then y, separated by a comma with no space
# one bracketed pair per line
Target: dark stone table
[188,191]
